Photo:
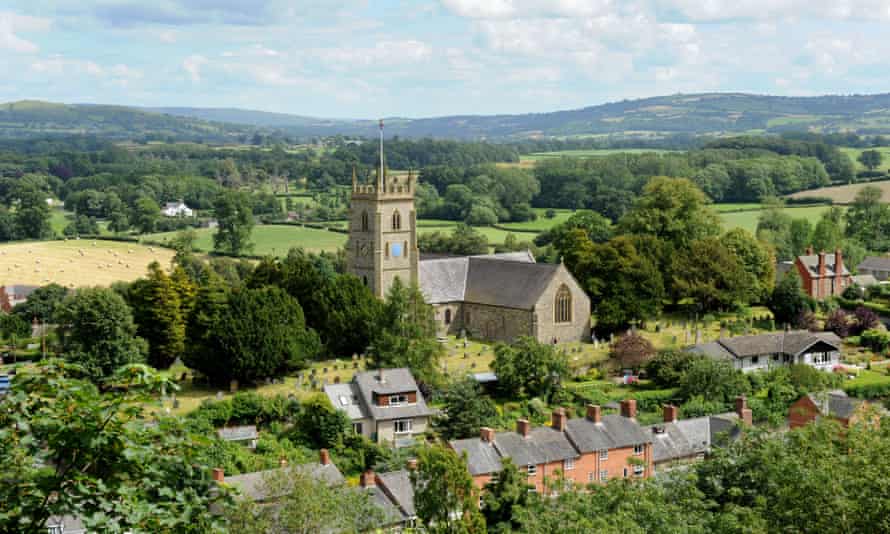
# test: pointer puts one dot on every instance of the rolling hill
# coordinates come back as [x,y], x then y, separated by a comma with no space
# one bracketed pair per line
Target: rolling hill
[689,114]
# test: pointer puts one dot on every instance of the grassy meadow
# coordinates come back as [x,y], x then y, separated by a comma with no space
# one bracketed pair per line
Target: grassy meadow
[853,154]
[273,240]
[75,262]
[748,219]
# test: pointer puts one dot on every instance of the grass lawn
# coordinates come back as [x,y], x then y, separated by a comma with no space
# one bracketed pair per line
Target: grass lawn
[75,262]
[272,239]
[853,154]
[722,208]
[589,153]
[542,223]
[59,219]
[748,219]
[844,194]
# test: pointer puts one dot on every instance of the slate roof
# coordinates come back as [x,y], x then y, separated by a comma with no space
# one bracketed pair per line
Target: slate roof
[689,437]
[398,380]
[835,403]
[614,431]
[482,457]
[398,487]
[511,280]
[794,343]
[543,445]
[875,263]
[391,513]
[253,485]
[865,280]
[811,262]
[346,397]
[238,433]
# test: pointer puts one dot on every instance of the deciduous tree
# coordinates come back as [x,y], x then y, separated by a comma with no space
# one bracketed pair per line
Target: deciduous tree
[465,409]
[444,495]
[528,368]
[235,217]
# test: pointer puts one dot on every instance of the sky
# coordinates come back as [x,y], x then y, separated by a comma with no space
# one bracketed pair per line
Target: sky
[366,59]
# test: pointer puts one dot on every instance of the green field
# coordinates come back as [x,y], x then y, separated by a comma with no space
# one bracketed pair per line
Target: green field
[853,154]
[723,208]
[273,240]
[748,219]
[542,223]
[589,153]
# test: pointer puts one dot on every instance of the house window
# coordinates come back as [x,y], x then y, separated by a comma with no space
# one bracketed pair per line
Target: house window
[55,529]
[405,248]
[397,400]
[591,476]
[396,220]
[568,464]
[365,224]
[357,428]
[604,475]
[604,454]
[448,316]
[755,360]
[638,470]
[625,472]
[402,426]
[532,470]
[638,449]
[821,358]
[563,305]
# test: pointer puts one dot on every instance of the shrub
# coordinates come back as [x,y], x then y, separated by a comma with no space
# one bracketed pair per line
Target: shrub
[631,350]
[869,386]
[697,406]
[806,320]
[839,322]
[866,319]
[669,366]
[876,340]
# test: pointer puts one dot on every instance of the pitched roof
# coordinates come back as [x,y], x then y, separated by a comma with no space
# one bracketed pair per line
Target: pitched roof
[398,380]
[835,403]
[613,432]
[543,445]
[346,397]
[397,485]
[794,343]
[689,437]
[865,280]
[254,485]
[811,262]
[238,433]
[876,263]
[512,279]
[391,513]
[482,457]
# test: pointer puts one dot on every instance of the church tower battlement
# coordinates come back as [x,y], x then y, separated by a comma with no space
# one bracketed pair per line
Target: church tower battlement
[382,242]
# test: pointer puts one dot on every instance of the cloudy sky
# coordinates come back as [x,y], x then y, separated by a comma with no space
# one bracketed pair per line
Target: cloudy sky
[354,58]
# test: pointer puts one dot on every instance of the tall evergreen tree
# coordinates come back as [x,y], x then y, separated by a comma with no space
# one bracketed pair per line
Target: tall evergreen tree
[160,318]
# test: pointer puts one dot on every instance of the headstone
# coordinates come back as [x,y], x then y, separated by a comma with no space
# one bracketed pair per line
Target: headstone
[183,377]
[233,386]
[697,336]
[336,379]
[355,365]
[268,381]
[219,395]
[354,356]
[175,404]
[473,365]
[674,340]
[466,355]
[324,370]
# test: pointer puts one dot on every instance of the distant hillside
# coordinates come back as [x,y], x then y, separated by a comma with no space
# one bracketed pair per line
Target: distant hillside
[692,114]
[29,118]
[695,114]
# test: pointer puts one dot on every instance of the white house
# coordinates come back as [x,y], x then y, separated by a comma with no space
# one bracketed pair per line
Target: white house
[821,350]
[177,209]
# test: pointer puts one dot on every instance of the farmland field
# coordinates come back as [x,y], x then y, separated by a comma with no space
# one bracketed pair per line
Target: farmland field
[273,240]
[589,153]
[853,154]
[748,219]
[77,262]
[542,223]
[844,194]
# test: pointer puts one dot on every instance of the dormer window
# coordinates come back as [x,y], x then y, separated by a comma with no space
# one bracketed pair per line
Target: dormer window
[398,400]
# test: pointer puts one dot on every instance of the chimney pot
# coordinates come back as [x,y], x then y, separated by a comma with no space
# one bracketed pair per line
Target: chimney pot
[218,474]
[558,419]
[594,413]
[486,434]
[810,250]
[380,376]
[412,464]
[670,413]
[368,479]
[629,408]
[523,427]
[324,457]
[742,410]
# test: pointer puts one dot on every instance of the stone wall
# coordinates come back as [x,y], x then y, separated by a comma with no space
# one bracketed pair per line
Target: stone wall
[576,330]
[457,314]
[494,323]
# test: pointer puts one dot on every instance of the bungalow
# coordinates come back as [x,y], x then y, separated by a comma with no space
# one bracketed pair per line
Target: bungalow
[384,405]
[595,448]
[821,350]
[834,405]
[681,441]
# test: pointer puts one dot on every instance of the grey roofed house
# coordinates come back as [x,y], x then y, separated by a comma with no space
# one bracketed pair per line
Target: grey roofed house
[398,380]
[793,343]
[865,280]
[346,397]
[874,263]
[238,433]
[66,524]
[482,457]
[612,432]
[811,262]
[835,403]
[254,485]
[687,438]
[543,445]
[392,515]
[397,485]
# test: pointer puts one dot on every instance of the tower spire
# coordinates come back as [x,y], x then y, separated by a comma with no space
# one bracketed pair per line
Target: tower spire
[354,179]
[381,176]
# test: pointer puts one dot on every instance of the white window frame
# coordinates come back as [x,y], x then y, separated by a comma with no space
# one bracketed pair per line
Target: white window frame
[639,449]
[531,470]
[568,464]
[399,399]
[604,475]
[400,422]
[604,454]
[358,428]
[591,476]
[639,470]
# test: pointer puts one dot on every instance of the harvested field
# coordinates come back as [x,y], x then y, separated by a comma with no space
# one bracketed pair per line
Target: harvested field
[844,194]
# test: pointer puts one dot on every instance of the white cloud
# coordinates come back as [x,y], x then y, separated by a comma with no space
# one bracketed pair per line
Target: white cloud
[12,23]
[384,53]
[58,66]
[168,36]
[192,66]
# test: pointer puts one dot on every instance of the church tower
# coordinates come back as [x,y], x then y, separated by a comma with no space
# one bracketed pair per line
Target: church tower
[383,230]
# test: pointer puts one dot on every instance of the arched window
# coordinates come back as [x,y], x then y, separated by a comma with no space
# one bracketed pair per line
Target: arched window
[405,249]
[386,250]
[563,305]
[448,316]
[396,220]
[365,224]
[365,280]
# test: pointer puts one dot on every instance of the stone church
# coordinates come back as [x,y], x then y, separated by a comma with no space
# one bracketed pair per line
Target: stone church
[496,297]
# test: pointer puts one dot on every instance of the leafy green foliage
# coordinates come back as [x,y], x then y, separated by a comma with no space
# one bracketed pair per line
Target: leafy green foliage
[631,350]
[870,159]
[41,303]
[464,240]
[160,315]
[788,301]
[146,213]
[714,380]
[443,489]
[465,409]
[321,424]
[528,368]
[713,276]
[669,366]
[234,214]
[502,495]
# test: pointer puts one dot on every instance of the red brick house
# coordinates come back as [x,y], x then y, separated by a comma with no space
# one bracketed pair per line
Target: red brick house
[595,448]
[823,275]
[835,405]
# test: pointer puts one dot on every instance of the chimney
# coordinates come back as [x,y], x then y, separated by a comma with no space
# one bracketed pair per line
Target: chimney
[810,250]
[594,413]
[380,376]
[218,474]
[368,479]
[629,408]
[324,457]
[670,413]
[742,410]
[523,427]
[411,464]
[838,262]
[486,434]
[558,419]
[822,263]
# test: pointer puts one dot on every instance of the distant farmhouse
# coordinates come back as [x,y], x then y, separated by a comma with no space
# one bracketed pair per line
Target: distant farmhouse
[492,297]
[384,405]
[177,209]
[877,266]
[821,350]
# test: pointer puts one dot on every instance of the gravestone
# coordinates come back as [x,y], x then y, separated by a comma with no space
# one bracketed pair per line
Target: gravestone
[355,365]
[175,404]
[336,379]
[233,386]
[219,395]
